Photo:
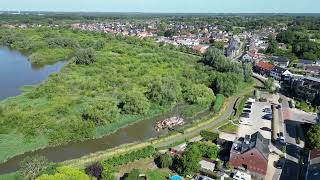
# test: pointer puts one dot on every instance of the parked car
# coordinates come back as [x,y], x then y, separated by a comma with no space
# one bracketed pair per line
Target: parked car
[245,115]
[247,106]
[278,106]
[267,117]
[249,103]
[252,100]
[281,138]
[266,129]
[280,163]
[247,111]
[267,110]
[243,121]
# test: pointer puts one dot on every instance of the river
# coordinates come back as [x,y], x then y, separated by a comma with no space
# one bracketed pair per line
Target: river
[16,71]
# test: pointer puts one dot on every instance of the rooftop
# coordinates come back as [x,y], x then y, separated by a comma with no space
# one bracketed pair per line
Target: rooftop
[265,65]
[247,143]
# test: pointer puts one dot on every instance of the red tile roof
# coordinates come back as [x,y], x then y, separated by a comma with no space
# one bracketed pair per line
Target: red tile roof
[264,65]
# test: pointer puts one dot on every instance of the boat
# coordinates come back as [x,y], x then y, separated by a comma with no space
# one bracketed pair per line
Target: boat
[169,123]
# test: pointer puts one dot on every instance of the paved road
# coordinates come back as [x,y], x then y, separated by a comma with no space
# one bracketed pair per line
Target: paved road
[292,130]
[228,112]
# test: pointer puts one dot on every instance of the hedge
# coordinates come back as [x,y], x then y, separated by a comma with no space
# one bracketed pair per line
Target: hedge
[218,103]
[130,157]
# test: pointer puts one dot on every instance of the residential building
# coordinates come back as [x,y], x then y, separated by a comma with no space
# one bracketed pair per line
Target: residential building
[240,175]
[250,56]
[201,49]
[263,68]
[251,153]
[279,73]
[313,170]
[306,89]
[207,164]
[281,61]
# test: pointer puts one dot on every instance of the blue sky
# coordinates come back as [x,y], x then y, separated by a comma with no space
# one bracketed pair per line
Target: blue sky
[179,6]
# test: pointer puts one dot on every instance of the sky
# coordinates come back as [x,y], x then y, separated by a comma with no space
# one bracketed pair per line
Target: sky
[165,6]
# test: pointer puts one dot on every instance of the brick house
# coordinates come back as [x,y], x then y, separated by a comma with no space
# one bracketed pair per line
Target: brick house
[263,68]
[251,153]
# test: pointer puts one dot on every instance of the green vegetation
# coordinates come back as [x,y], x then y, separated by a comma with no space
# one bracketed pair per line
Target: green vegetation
[63,173]
[305,107]
[229,128]
[188,163]
[268,84]
[312,137]
[209,136]
[31,167]
[164,161]
[108,82]
[132,156]
[218,103]
[157,175]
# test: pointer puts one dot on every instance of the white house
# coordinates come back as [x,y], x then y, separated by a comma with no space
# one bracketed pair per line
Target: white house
[240,175]
[278,73]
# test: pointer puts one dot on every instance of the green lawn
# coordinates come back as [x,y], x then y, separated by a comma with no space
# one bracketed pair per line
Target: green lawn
[157,175]
[11,176]
[229,128]
[13,144]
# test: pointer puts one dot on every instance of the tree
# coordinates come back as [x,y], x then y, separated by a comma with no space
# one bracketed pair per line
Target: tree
[218,45]
[107,173]
[65,173]
[190,161]
[133,175]
[85,56]
[164,91]
[312,138]
[95,170]
[135,102]
[285,37]
[247,72]
[99,45]
[31,167]
[101,111]
[199,94]
[268,84]
[209,136]
[164,161]
[227,83]
[273,45]
[216,59]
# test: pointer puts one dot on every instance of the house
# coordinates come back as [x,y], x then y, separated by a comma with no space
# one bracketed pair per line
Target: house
[178,149]
[279,73]
[251,153]
[263,68]
[207,164]
[200,49]
[240,175]
[250,56]
[281,61]
[313,168]
[282,46]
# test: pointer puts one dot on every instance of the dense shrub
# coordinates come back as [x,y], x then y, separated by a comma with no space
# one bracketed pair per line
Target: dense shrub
[218,103]
[85,56]
[129,157]
[31,167]
[95,170]
[209,136]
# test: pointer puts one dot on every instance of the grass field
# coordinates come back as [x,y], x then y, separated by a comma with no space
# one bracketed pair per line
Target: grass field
[229,128]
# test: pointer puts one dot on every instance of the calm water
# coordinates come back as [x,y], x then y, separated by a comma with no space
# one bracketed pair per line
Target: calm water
[16,71]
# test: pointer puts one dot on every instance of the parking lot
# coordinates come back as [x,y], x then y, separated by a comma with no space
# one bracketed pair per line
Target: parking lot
[255,120]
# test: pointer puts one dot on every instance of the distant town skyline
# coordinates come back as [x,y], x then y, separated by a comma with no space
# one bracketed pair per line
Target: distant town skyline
[165,6]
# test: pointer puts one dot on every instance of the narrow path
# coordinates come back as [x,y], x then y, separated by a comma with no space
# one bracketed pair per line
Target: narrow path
[228,112]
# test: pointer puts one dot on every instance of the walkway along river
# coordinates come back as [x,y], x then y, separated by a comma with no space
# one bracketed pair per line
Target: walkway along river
[16,71]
